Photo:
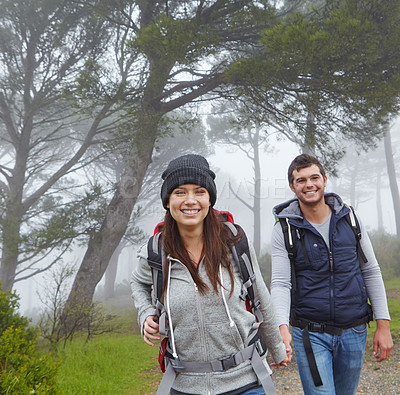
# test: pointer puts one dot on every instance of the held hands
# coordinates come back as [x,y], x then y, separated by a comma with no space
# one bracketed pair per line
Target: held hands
[150,330]
[283,363]
[287,338]
[383,343]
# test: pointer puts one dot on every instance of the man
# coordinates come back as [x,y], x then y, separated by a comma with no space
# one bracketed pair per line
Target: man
[331,280]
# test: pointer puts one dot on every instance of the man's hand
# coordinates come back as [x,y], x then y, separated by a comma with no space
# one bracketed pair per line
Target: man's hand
[150,330]
[287,338]
[383,343]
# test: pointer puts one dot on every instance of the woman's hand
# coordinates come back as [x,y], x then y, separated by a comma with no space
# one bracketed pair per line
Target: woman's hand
[150,330]
[286,338]
[283,363]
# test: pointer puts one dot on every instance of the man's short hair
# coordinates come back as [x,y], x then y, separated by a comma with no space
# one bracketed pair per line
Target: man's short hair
[302,161]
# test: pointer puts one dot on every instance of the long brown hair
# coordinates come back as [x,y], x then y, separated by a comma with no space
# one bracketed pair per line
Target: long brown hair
[217,240]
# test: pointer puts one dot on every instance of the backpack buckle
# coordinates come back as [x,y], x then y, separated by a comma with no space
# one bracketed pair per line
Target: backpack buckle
[316,327]
[259,347]
[228,362]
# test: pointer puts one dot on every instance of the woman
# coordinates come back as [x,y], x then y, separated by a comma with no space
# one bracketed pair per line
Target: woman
[208,321]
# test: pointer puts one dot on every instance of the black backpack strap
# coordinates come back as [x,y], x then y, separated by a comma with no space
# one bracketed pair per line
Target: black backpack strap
[352,220]
[289,236]
[311,358]
[241,254]
[156,260]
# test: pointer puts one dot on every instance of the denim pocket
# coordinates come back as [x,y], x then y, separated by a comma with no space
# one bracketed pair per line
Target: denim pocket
[360,328]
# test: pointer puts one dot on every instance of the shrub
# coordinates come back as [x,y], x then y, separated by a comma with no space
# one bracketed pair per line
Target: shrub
[387,251]
[22,369]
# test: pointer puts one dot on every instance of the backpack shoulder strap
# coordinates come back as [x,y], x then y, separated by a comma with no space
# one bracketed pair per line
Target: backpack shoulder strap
[352,220]
[289,236]
[249,294]
[155,259]
[241,255]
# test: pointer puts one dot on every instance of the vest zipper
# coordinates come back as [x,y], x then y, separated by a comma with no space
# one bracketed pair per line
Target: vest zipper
[331,286]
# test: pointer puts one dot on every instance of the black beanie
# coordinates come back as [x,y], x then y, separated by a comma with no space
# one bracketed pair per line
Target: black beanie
[188,169]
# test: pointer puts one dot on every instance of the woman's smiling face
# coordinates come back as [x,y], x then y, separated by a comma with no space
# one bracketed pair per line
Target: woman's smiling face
[189,205]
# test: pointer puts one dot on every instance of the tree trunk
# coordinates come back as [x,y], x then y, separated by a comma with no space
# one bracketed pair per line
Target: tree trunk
[379,210]
[353,182]
[257,195]
[394,189]
[11,224]
[111,274]
[104,242]
[9,257]
[308,146]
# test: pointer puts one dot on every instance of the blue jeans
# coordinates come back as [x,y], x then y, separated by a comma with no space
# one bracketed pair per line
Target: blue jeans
[339,360]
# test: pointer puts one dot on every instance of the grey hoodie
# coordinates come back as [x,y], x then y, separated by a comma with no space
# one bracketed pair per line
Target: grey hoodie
[202,328]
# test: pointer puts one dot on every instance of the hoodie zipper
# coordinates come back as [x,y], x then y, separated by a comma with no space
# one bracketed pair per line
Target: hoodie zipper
[201,324]
[202,333]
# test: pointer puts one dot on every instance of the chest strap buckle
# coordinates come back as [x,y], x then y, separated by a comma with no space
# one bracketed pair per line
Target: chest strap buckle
[228,362]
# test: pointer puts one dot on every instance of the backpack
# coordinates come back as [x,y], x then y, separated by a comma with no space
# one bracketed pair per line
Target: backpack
[290,233]
[255,345]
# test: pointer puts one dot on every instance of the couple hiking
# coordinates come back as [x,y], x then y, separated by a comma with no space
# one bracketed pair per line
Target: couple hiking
[198,286]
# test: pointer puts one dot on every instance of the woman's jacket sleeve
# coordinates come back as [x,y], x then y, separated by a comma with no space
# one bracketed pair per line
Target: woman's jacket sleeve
[141,284]
[269,328]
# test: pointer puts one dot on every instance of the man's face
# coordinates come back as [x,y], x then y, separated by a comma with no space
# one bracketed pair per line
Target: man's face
[309,185]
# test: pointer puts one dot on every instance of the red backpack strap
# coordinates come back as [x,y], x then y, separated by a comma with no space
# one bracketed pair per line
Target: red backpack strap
[158,227]
[228,216]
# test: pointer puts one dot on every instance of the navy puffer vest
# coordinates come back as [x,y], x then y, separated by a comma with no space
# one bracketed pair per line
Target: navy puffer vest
[330,288]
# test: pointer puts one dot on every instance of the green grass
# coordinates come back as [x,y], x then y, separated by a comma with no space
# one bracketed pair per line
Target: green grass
[394,304]
[108,364]
[394,309]
[393,283]
[121,363]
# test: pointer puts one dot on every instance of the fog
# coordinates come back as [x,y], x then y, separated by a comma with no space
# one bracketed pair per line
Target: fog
[231,166]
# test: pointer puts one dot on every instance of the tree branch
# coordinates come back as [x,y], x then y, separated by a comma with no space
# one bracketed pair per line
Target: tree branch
[208,86]
[240,199]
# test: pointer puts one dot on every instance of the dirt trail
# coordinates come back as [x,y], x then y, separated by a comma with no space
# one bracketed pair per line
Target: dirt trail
[376,378]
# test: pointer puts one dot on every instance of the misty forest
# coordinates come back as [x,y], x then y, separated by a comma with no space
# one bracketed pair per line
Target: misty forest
[97,96]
